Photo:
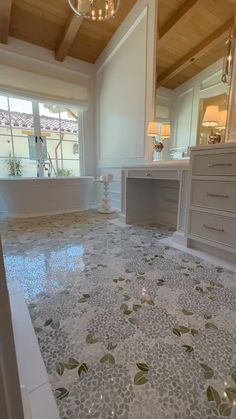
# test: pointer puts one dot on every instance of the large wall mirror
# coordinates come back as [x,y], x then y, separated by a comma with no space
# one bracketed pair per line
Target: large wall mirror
[193,75]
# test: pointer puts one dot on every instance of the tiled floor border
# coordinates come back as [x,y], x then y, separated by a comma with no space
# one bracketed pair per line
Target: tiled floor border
[37,395]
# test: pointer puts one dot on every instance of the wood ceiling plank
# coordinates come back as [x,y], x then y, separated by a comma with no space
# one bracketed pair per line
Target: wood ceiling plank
[45,9]
[68,37]
[5,15]
[201,49]
[33,28]
[177,20]
[167,9]
[44,23]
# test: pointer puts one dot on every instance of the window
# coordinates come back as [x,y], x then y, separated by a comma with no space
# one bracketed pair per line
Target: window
[38,139]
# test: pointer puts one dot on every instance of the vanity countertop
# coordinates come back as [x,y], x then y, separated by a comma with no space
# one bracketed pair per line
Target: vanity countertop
[213,146]
[162,164]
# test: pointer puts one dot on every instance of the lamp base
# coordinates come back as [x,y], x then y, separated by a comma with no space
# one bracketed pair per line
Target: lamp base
[106,211]
[106,208]
[158,146]
[214,139]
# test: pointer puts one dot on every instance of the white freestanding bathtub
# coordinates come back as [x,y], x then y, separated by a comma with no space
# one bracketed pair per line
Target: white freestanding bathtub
[28,197]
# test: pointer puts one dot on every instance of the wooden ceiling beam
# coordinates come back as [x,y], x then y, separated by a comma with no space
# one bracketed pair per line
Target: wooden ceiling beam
[178,19]
[68,37]
[5,16]
[201,49]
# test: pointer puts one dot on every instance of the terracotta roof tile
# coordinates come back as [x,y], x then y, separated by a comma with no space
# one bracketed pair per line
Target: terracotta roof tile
[24,120]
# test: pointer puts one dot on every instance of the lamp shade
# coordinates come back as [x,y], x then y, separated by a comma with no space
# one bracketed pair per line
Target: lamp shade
[165,131]
[211,116]
[222,119]
[152,130]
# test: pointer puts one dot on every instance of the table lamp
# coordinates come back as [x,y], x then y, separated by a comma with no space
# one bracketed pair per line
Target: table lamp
[211,120]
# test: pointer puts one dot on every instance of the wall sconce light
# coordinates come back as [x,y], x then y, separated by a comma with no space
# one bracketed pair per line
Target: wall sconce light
[165,131]
[153,132]
[211,119]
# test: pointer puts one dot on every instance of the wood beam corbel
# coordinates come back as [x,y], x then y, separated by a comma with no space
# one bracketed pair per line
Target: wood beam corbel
[68,37]
[5,16]
[201,49]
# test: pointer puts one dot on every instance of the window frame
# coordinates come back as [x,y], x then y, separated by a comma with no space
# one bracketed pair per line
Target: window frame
[39,132]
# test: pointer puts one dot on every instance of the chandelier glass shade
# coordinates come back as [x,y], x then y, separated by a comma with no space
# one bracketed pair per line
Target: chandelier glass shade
[95,9]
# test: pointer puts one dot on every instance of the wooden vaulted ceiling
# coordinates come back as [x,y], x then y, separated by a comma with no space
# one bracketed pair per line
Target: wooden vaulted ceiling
[191,32]
[52,24]
[192,35]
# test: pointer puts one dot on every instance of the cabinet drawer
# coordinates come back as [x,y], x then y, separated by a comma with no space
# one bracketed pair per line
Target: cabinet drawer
[214,194]
[153,174]
[214,164]
[213,227]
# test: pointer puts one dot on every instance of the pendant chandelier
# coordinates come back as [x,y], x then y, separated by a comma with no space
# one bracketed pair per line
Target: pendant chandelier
[95,9]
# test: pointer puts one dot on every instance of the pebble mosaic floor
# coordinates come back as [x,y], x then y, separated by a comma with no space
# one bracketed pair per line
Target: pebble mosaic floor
[128,327]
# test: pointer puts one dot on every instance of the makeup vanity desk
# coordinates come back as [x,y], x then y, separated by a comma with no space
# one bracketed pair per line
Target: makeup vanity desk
[157,193]
[197,197]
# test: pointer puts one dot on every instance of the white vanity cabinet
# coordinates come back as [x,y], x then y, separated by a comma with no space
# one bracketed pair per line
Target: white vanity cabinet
[212,201]
[157,193]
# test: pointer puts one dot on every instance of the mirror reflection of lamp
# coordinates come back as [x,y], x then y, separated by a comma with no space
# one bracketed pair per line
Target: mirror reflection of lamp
[165,131]
[222,119]
[153,132]
[211,120]
[222,123]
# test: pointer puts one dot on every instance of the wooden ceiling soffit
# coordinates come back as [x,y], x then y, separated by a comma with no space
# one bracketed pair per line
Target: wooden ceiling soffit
[68,37]
[5,15]
[178,19]
[201,49]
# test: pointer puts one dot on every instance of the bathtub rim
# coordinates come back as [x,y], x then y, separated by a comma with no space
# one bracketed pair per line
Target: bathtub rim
[17,179]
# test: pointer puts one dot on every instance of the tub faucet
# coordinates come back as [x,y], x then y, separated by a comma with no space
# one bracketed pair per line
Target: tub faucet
[40,168]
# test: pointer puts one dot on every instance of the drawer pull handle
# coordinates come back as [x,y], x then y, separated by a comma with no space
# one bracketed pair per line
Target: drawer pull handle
[147,174]
[215,195]
[219,164]
[220,230]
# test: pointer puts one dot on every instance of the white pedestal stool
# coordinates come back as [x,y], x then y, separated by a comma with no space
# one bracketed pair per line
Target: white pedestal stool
[106,207]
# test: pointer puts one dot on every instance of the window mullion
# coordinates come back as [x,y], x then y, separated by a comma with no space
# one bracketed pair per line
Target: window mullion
[10,121]
[80,122]
[37,132]
[61,140]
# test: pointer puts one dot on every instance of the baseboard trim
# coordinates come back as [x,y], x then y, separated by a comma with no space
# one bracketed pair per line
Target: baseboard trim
[180,238]
[38,395]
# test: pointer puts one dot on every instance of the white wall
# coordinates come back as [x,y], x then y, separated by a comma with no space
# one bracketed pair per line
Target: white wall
[164,110]
[164,99]
[185,104]
[125,87]
[33,72]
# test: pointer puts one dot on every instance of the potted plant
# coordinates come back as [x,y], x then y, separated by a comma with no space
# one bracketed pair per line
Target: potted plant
[15,167]
[64,172]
